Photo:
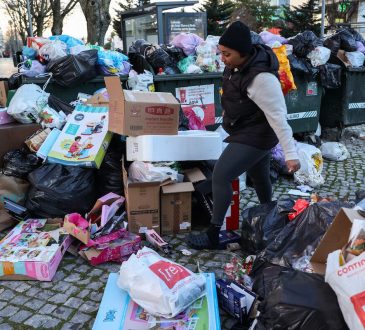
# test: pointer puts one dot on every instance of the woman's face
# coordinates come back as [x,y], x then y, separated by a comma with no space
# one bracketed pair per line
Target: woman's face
[231,58]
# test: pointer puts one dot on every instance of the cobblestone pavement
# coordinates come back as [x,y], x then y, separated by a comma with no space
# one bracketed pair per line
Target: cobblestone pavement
[71,300]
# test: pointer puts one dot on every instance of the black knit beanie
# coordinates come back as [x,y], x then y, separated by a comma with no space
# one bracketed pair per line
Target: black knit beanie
[237,37]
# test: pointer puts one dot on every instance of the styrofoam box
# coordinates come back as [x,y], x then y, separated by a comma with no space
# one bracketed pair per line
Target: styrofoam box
[187,145]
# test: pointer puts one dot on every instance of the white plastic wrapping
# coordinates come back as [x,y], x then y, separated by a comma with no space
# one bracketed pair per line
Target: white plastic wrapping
[147,172]
[334,151]
[319,56]
[161,287]
[355,58]
[53,50]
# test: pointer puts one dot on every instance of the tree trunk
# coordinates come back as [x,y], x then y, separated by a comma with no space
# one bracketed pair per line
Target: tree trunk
[98,19]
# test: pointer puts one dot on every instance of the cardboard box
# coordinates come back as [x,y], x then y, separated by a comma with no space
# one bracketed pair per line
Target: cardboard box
[118,311]
[31,251]
[136,113]
[103,210]
[84,139]
[143,204]
[3,93]
[335,238]
[12,136]
[176,208]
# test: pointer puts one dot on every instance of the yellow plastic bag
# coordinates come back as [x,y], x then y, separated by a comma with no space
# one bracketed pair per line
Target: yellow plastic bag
[285,74]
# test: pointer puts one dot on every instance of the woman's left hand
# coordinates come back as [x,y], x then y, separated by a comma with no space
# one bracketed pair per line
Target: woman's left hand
[293,165]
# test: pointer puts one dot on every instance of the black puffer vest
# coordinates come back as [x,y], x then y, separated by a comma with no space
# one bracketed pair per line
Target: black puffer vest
[243,120]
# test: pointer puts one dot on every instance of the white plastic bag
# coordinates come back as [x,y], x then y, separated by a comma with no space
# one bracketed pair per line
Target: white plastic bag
[319,56]
[356,58]
[348,281]
[141,82]
[311,165]
[161,287]
[78,49]
[53,50]
[334,151]
[27,102]
[147,172]
[206,56]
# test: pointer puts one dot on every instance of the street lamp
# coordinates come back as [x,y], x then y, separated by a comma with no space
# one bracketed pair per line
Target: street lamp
[323,17]
[29,20]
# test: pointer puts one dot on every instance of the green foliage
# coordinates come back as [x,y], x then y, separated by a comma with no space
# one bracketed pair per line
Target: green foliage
[124,6]
[218,15]
[257,14]
[299,19]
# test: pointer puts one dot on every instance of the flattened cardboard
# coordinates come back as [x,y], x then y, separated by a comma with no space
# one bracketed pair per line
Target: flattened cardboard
[194,175]
[341,55]
[143,204]
[136,113]
[176,208]
[335,238]
[3,93]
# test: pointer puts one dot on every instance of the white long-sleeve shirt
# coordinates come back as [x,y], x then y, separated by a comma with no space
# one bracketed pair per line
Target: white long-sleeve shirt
[265,91]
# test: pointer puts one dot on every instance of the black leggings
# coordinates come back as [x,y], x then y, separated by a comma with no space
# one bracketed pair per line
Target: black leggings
[236,159]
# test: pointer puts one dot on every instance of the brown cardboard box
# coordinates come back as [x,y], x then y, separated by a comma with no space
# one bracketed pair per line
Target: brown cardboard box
[3,93]
[176,208]
[143,204]
[335,238]
[136,113]
[12,136]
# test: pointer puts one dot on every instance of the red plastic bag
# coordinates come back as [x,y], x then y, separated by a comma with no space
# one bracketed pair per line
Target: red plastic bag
[299,206]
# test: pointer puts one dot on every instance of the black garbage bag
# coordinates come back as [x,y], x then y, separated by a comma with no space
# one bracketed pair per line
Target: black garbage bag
[159,59]
[256,39]
[175,52]
[139,47]
[292,299]
[330,75]
[301,236]
[109,177]
[19,163]
[72,70]
[302,65]
[333,43]
[59,105]
[262,223]
[15,81]
[348,42]
[357,36]
[57,190]
[304,43]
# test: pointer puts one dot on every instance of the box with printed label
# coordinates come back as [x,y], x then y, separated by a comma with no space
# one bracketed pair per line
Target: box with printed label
[135,113]
[84,139]
[143,204]
[33,249]
[176,208]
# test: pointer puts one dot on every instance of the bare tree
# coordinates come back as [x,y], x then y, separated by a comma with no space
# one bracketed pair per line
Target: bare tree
[97,17]
[59,12]
[17,11]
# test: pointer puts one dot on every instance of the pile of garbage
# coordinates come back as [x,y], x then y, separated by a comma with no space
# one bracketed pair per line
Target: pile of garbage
[61,55]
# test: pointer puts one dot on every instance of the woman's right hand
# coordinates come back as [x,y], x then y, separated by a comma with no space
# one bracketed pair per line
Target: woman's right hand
[293,165]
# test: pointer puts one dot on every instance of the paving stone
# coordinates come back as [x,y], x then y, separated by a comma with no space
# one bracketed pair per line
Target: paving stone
[42,321]
[32,292]
[45,294]
[95,286]
[7,295]
[63,312]
[73,278]
[21,316]
[96,272]
[89,308]
[35,304]
[59,276]
[74,302]
[22,287]
[3,304]
[83,269]
[59,298]
[5,326]
[80,318]
[96,296]
[86,281]
[46,285]
[69,267]
[73,326]
[84,293]
[47,309]
[8,311]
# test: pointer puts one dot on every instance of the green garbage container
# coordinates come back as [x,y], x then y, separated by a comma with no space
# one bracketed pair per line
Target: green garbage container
[345,106]
[304,104]
[169,83]
[69,94]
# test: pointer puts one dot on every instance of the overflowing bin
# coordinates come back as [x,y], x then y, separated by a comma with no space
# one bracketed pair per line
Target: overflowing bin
[345,106]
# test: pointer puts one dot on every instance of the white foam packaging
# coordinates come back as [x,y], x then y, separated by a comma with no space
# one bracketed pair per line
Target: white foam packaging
[187,145]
